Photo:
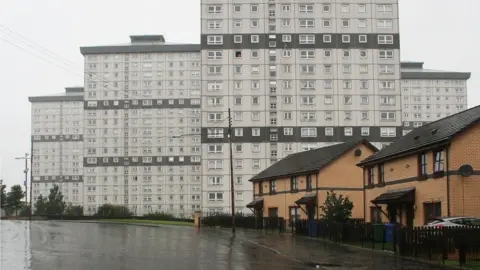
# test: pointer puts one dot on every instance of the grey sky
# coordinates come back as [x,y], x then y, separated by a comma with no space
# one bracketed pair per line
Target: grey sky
[442,33]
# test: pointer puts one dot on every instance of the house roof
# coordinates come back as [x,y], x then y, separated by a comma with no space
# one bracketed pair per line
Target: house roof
[422,137]
[308,161]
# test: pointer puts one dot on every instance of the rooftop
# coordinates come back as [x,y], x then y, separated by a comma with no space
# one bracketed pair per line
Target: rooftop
[415,71]
[434,133]
[70,94]
[307,161]
[141,44]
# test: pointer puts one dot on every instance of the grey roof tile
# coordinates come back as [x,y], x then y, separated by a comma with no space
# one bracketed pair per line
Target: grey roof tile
[434,132]
[307,161]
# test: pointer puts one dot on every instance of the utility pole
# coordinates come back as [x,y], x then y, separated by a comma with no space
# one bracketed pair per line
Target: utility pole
[232,184]
[26,158]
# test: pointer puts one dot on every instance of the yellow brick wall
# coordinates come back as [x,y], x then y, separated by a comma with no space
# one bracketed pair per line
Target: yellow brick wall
[465,149]
[464,200]
[342,173]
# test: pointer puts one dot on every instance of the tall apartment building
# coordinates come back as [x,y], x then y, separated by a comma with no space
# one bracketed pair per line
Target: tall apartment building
[57,144]
[297,75]
[142,126]
[428,95]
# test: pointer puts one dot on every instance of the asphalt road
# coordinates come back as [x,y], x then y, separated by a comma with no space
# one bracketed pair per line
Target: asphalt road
[84,246]
[43,245]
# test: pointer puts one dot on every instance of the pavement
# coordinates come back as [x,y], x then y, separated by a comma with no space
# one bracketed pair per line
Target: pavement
[329,255]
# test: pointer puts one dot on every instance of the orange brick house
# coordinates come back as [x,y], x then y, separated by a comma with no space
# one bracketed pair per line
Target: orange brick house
[296,186]
[432,171]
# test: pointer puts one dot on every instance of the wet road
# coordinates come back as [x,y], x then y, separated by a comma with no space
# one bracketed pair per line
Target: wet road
[44,245]
[80,246]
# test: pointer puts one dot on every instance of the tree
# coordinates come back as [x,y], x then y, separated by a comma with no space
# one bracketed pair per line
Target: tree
[14,199]
[52,205]
[3,196]
[337,208]
[74,210]
[110,210]
[40,207]
[55,204]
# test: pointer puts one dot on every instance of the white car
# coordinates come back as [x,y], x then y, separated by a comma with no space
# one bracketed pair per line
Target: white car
[453,222]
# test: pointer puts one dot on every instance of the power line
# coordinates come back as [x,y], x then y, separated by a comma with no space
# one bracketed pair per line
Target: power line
[51,54]
[44,59]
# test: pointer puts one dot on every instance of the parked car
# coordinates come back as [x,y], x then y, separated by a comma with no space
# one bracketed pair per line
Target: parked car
[453,222]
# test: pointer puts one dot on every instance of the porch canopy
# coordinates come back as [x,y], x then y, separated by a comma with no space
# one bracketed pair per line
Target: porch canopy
[256,204]
[306,199]
[404,195]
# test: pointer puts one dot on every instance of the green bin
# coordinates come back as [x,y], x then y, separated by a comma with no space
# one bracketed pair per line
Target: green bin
[379,233]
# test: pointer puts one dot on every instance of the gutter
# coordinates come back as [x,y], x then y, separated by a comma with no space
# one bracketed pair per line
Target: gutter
[447,157]
[364,196]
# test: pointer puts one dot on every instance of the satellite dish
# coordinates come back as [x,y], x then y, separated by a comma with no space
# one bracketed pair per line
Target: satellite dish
[466,170]
[358,152]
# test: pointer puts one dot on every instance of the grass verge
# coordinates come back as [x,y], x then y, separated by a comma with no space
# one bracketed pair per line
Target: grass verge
[154,222]
[467,266]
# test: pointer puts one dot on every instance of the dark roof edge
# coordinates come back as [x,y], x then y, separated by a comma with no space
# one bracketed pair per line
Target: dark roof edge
[134,38]
[419,148]
[407,152]
[411,64]
[55,98]
[74,89]
[151,48]
[440,75]
[364,141]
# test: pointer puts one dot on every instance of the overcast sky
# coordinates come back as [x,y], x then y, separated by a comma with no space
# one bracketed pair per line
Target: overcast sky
[442,33]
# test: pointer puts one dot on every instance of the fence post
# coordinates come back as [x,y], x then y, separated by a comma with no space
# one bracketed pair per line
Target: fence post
[462,252]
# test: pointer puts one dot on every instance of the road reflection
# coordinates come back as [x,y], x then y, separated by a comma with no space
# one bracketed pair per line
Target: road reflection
[78,246]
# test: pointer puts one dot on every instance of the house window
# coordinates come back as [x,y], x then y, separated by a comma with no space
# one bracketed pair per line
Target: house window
[273,186]
[381,174]
[371,176]
[375,214]
[260,188]
[309,182]
[432,210]
[439,158]
[422,164]
[294,184]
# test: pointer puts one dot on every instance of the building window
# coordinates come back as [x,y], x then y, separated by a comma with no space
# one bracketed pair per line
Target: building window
[422,164]
[432,210]
[309,182]
[376,214]
[439,158]
[381,173]
[294,184]
[273,186]
[260,188]
[371,176]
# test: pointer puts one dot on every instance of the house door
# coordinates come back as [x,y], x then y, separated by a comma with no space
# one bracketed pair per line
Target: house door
[311,211]
[409,215]
[259,218]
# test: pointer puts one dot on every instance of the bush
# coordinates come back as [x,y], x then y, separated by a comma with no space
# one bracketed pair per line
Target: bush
[74,210]
[159,216]
[113,211]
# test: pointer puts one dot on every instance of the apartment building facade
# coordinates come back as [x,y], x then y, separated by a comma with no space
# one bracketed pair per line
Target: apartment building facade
[57,144]
[142,126]
[429,95]
[296,75]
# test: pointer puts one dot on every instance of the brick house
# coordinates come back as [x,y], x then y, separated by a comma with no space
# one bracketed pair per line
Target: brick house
[432,171]
[297,185]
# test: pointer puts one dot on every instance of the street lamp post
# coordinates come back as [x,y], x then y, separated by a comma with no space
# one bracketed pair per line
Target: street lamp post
[26,158]
[232,184]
